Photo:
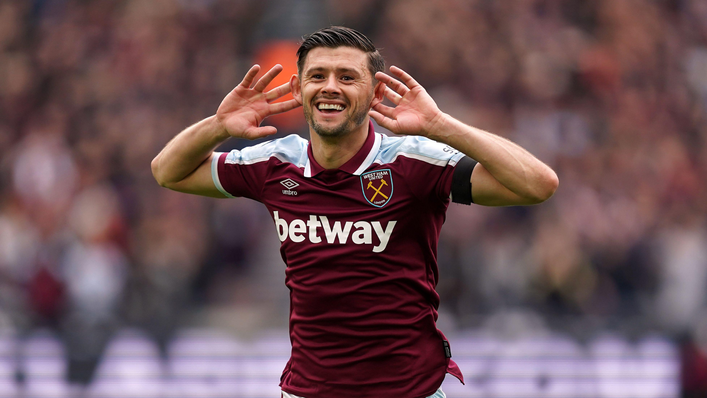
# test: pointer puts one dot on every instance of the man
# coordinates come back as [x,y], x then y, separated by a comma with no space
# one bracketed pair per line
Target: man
[358,213]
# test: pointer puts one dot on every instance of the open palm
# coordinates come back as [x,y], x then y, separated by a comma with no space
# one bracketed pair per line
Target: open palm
[414,113]
[245,107]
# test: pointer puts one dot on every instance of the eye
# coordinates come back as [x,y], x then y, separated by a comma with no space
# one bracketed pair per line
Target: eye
[317,76]
[347,78]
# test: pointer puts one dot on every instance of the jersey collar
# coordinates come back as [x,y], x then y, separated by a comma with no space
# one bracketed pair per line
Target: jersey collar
[357,164]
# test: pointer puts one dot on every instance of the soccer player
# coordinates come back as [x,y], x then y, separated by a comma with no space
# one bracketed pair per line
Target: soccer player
[358,213]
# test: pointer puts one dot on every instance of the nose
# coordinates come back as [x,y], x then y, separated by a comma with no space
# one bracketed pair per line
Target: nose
[331,86]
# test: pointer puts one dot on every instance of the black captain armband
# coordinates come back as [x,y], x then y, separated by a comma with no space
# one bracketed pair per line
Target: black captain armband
[461,181]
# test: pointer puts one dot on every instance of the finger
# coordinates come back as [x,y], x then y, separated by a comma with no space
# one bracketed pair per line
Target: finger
[382,120]
[385,110]
[284,106]
[248,79]
[278,92]
[393,83]
[259,132]
[404,76]
[267,78]
[393,96]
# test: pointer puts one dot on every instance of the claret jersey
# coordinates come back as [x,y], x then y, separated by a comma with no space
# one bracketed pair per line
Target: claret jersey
[360,245]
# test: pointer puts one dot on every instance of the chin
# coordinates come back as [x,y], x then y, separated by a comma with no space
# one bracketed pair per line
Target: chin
[336,131]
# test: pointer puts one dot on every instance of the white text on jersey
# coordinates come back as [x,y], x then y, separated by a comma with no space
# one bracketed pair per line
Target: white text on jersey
[299,230]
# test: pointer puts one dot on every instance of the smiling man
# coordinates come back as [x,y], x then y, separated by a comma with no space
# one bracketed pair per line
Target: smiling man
[358,213]
[339,114]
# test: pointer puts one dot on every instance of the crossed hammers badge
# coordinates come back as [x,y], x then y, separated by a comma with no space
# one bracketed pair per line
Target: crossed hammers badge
[377,187]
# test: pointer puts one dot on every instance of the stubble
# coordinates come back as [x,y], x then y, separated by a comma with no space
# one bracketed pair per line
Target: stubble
[350,123]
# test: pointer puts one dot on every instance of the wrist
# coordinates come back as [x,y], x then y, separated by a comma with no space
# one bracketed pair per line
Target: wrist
[217,128]
[438,128]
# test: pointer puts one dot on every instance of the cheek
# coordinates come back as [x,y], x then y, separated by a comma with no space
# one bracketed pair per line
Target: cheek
[311,94]
[364,101]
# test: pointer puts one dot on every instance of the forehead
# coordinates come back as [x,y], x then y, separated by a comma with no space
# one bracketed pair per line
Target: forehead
[337,58]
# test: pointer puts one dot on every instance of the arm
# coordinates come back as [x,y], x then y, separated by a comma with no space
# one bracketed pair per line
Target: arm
[184,164]
[506,174]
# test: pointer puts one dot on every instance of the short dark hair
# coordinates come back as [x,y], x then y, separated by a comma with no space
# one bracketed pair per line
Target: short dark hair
[340,36]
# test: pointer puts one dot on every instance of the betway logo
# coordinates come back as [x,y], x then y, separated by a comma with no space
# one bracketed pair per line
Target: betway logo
[362,234]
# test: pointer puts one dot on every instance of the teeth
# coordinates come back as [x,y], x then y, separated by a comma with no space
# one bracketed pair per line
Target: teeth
[331,106]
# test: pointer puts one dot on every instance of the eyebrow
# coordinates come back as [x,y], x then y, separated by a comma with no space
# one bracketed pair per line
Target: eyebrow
[338,70]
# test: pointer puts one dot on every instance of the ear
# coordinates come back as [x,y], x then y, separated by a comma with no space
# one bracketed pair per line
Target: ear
[378,94]
[295,88]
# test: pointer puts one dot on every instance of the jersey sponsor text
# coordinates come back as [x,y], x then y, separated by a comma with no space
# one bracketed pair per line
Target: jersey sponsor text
[337,232]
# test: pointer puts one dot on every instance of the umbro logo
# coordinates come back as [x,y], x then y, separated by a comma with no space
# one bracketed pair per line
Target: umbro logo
[290,184]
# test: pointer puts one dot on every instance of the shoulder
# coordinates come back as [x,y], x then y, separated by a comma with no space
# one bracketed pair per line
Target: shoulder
[419,148]
[290,149]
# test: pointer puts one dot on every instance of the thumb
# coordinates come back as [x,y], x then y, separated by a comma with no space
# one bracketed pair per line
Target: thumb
[382,120]
[260,132]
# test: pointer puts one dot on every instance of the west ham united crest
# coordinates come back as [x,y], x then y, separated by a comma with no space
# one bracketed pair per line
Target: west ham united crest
[377,187]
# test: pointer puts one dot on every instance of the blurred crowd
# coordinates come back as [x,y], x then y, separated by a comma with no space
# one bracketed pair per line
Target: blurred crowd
[611,94]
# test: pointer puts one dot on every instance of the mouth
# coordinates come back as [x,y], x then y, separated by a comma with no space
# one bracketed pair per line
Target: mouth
[330,108]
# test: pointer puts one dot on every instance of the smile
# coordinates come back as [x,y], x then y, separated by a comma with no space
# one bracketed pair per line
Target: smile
[330,108]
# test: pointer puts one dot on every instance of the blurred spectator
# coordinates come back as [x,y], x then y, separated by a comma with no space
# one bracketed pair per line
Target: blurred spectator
[94,268]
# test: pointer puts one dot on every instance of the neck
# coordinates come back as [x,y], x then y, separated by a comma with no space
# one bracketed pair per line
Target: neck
[333,152]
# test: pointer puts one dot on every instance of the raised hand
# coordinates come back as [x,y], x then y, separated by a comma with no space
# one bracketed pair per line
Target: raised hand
[245,107]
[414,113]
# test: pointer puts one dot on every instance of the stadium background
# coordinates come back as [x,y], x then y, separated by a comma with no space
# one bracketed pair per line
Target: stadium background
[111,286]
